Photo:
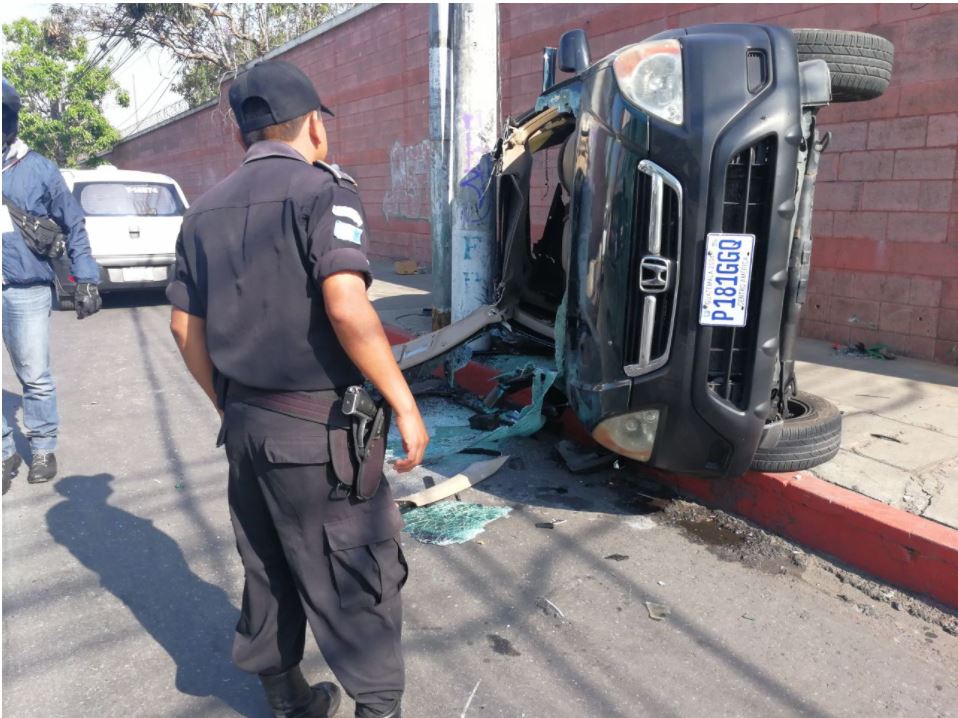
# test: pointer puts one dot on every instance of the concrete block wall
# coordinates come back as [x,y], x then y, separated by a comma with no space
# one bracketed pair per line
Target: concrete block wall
[885,263]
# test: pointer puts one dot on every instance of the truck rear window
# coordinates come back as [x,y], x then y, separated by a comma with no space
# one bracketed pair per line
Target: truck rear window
[125,199]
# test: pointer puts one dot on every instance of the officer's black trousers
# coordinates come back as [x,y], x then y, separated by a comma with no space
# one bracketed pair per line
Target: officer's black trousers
[312,556]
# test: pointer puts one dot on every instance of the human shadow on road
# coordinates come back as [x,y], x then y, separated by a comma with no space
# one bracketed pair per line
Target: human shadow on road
[11,404]
[146,570]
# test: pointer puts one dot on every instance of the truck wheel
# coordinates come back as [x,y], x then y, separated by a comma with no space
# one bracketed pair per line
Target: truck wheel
[811,437]
[860,63]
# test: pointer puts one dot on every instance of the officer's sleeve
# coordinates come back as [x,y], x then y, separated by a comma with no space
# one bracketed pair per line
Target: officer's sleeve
[338,238]
[66,211]
[185,289]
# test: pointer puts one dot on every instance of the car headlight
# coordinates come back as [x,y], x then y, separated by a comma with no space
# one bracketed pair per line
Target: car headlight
[650,76]
[631,435]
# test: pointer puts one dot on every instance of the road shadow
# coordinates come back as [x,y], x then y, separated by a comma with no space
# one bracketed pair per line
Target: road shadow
[144,568]
[12,403]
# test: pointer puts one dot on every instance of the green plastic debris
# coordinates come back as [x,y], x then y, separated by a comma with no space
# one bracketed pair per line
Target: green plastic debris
[450,522]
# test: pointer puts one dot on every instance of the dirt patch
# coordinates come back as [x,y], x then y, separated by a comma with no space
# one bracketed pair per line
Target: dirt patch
[898,600]
[732,539]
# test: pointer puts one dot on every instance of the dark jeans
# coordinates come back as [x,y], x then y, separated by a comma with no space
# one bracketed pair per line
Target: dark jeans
[312,556]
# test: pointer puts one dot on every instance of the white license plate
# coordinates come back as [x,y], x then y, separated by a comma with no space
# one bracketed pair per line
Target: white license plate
[138,274]
[725,282]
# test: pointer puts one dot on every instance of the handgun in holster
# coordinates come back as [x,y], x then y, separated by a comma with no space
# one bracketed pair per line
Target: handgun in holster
[369,424]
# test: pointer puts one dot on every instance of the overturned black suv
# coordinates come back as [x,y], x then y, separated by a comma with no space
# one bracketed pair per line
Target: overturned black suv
[673,265]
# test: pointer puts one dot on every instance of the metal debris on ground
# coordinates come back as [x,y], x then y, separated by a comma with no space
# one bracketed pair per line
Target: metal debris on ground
[549,524]
[616,557]
[657,611]
[450,522]
[469,702]
[549,608]
[468,477]
[580,460]
[859,350]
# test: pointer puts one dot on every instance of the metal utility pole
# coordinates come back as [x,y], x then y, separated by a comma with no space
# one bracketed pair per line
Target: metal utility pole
[441,186]
[474,30]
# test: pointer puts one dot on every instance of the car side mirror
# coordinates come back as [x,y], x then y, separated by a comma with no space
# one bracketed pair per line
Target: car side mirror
[573,51]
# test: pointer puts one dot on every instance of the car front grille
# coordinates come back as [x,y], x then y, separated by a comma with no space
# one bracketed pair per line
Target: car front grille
[653,274]
[748,187]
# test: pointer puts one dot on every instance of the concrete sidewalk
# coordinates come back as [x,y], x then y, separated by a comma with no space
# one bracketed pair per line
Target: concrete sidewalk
[899,429]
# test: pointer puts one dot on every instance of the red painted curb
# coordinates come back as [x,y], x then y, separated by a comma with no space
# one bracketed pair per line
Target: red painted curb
[893,545]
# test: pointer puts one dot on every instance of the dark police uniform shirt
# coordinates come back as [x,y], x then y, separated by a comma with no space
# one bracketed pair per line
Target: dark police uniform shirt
[252,254]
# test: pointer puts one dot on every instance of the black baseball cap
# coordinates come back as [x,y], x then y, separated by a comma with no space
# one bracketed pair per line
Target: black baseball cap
[272,92]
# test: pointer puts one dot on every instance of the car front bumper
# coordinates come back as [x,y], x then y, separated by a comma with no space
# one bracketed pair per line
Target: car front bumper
[731,167]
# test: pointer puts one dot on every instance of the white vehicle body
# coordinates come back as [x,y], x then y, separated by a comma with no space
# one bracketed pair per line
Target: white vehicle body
[132,219]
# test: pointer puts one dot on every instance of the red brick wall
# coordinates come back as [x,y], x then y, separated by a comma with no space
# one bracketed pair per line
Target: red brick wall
[885,265]
[373,71]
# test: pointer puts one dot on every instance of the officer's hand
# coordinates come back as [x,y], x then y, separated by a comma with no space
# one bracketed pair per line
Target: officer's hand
[87,300]
[414,439]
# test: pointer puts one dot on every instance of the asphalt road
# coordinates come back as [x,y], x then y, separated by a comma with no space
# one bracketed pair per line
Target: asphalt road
[121,583]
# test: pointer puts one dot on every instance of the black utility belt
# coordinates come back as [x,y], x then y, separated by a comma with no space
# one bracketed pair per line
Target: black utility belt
[357,427]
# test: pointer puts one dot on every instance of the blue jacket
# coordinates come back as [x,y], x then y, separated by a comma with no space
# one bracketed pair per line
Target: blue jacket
[36,186]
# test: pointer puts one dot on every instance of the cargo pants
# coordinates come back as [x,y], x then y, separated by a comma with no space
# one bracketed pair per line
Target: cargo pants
[312,555]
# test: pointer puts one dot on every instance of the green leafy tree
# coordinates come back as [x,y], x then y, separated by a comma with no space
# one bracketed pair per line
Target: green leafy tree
[61,91]
[211,40]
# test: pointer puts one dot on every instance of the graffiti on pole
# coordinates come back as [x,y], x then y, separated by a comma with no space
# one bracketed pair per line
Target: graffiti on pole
[476,197]
[475,188]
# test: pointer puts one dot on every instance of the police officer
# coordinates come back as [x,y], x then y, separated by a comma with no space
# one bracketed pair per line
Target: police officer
[271,316]
[32,185]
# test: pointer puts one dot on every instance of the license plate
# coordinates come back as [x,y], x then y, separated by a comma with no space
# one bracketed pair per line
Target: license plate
[138,274]
[725,282]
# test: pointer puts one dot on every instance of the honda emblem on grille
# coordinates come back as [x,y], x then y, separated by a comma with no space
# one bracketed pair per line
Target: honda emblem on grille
[655,274]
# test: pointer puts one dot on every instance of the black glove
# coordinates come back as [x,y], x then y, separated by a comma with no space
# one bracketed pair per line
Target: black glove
[87,300]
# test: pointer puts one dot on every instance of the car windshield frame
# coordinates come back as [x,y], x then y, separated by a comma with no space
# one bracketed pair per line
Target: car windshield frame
[175,205]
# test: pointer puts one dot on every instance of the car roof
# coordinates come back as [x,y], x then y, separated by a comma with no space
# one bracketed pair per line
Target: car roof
[109,173]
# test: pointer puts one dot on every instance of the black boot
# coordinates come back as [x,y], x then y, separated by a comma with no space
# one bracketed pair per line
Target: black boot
[11,465]
[290,696]
[393,711]
[42,468]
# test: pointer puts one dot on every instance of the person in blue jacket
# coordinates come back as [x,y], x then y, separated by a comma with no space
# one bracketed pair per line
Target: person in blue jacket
[33,184]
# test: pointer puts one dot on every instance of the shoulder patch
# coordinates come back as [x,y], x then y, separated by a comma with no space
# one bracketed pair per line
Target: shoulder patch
[347,232]
[349,213]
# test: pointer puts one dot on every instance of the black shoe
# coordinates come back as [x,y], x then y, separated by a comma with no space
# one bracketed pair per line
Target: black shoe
[42,468]
[291,697]
[11,466]
[394,711]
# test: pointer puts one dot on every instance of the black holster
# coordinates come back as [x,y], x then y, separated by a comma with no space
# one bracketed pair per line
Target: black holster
[357,460]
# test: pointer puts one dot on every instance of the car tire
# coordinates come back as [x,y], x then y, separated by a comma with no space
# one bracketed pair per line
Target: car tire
[808,439]
[860,63]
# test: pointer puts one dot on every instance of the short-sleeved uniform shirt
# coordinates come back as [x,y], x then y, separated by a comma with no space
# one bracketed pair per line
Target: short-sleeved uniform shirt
[252,255]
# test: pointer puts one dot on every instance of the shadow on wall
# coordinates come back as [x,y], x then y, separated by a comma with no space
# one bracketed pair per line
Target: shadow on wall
[146,570]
